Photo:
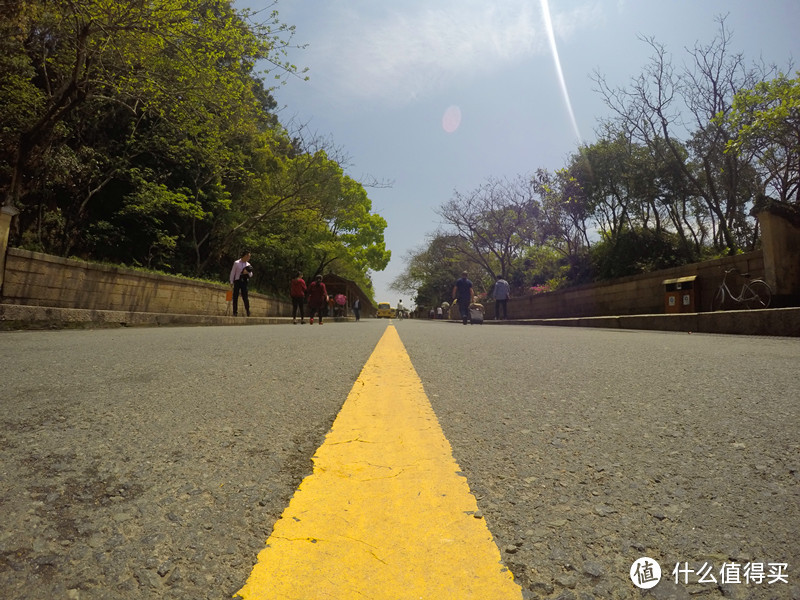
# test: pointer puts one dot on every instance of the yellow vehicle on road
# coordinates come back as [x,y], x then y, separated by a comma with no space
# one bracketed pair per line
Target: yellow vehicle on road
[385,311]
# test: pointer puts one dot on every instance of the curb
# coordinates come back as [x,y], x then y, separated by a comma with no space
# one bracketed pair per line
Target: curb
[780,322]
[16,316]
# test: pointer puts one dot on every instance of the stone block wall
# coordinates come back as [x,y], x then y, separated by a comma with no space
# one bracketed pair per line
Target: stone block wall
[32,278]
[636,295]
[36,279]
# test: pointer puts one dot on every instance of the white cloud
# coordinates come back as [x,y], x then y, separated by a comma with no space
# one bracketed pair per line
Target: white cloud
[394,55]
[570,22]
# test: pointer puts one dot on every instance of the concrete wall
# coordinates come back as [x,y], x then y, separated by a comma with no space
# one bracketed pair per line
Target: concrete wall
[640,294]
[36,279]
[781,242]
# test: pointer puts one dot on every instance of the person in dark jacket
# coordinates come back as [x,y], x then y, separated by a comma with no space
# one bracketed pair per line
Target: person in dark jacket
[240,275]
[464,294]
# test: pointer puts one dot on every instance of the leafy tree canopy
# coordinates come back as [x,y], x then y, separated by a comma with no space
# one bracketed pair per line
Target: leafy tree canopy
[766,123]
[141,133]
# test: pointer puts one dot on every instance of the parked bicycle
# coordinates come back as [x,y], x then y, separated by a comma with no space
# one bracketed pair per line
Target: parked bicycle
[755,293]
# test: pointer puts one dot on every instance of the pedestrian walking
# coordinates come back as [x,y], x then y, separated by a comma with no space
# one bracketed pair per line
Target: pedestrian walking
[240,275]
[357,309]
[297,290]
[317,299]
[464,295]
[501,293]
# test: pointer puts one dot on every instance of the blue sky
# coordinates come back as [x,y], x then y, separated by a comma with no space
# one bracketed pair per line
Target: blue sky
[438,95]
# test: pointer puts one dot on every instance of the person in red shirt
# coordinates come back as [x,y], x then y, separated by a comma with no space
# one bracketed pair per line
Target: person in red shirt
[317,298]
[297,290]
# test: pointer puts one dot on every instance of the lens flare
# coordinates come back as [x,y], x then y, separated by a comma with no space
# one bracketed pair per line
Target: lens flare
[451,119]
[548,22]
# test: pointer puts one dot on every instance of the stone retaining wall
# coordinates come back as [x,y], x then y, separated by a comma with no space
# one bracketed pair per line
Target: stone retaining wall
[36,279]
[636,295]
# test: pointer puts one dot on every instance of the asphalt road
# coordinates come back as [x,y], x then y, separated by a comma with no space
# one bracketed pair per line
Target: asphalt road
[153,463]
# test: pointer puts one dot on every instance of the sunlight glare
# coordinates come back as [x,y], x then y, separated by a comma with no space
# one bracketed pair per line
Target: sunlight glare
[451,119]
[552,39]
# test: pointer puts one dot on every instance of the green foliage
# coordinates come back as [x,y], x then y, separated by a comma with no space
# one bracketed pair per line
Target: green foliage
[634,251]
[542,265]
[766,123]
[564,212]
[141,133]
[431,272]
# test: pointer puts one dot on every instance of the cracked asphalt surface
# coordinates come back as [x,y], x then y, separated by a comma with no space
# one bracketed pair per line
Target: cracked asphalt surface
[153,463]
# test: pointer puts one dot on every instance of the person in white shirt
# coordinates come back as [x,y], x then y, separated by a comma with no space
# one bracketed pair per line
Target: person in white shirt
[502,292]
[241,273]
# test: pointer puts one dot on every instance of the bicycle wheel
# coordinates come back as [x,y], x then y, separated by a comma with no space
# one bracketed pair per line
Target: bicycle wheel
[757,294]
[719,300]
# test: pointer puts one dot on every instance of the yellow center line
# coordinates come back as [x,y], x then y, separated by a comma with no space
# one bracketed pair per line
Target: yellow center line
[385,513]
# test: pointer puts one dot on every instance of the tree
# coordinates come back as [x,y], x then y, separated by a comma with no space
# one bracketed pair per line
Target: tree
[564,214]
[661,102]
[165,56]
[140,133]
[322,223]
[493,223]
[637,250]
[137,118]
[431,270]
[605,175]
[765,121]
[350,237]
[686,213]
